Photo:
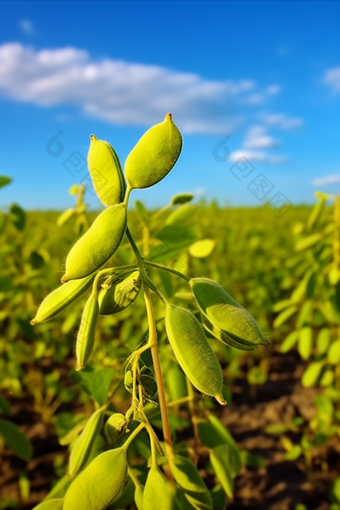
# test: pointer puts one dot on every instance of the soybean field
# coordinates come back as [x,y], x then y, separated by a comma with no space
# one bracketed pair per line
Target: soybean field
[261,431]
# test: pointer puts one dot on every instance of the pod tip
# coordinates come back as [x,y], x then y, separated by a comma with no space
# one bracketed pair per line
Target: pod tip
[168,116]
[221,400]
[64,279]
[79,367]
[33,321]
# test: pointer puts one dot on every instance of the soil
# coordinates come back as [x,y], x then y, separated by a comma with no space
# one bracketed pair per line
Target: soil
[281,485]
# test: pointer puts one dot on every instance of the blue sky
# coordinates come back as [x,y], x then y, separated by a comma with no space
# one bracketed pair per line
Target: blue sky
[266,75]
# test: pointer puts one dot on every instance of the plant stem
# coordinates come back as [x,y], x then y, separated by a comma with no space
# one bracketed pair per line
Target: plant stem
[166,268]
[133,435]
[158,375]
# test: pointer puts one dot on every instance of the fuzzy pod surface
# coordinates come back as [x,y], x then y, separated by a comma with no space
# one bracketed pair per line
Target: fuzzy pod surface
[225,313]
[154,155]
[51,504]
[99,484]
[106,173]
[82,449]
[87,331]
[159,493]
[193,353]
[61,298]
[98,244]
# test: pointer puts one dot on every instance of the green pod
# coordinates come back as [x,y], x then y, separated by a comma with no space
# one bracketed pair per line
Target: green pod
[99,484]
[121,294]
[87,331]
[191,484]
[65,217]
[82,449]
[106,172]
[51,504]
[61,298]
[154,155]
[223,337]
[115,426]
[193,353]
[225,313]
[159,493]
[98,244]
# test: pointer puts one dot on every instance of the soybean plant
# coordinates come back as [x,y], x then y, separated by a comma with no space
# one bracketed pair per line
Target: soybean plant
[95,480]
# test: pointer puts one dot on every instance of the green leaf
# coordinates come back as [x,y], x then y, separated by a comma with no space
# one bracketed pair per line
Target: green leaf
[333,355]
[177,235]
[290,341]
[202,249]
[256,376]
[311,374]
[4,180]
[182,215]
[308,242]
[141,209]
[305,342]
[323,340]
[212,433]
[95,383]
[15,439]
[191,483]
[305,314]
[335,491]
[294,453]
[220,460]
[17,216]
[182,198]
[284,316]
[5,408]
[252,460]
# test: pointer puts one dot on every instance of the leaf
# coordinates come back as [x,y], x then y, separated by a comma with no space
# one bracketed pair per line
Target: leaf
[141,209]
[212,433]
[95,383]
[323,340]
[202,249]
[17,216]
[182,215]
[4,180]
[290,341]
[333,355]
[294,453]
[305,343]
[305,314]
[311,374]
[220,460]
[5,408]
[252,460]
[177,234]
[256,376]
[284,316]
[308,242]
[191,483]
[15,439]
[182,198]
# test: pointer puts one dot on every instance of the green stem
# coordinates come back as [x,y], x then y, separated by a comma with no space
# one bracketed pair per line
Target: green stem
[166,268]
[133,435]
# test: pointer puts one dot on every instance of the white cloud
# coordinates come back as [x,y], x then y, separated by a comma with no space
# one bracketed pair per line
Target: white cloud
[328,179]
[281,120]
[259,156]
[332,78]
[127,93]
[26,26]
[257,138]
